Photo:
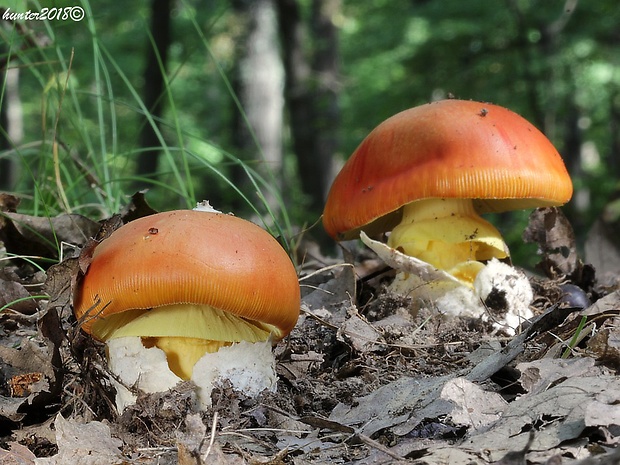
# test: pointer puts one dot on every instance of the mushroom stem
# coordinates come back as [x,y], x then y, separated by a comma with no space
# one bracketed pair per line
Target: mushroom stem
[450,235]
[182,353]
[185,332]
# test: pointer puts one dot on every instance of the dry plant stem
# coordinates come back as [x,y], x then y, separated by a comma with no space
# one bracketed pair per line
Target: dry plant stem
[380,447]
[322,423]
[319,319]
[212,438]
[326,268]
[449,234]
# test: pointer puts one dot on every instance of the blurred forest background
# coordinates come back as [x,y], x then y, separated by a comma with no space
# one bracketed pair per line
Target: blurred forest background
[255,104]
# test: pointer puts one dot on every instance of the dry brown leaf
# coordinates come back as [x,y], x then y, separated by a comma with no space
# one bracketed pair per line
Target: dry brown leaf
[358,332]
[605,343]
[472,406]
[538,375]
[137,207]
[8,203]
[552,232]
[58,283]
[405,402]
[603,413]
[330,295]
[16,455]
[609,304]
[84,443]
[29,359]
[557,414]
[14,295]
[41,236]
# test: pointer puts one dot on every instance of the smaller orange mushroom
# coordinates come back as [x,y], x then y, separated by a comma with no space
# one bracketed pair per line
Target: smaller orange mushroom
[188,282]
[427,173]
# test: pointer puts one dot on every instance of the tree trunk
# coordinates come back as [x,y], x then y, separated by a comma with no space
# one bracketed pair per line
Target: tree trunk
[614,130]
[258,82]
[311,92]
[154,88]
[11,123]
[327,70]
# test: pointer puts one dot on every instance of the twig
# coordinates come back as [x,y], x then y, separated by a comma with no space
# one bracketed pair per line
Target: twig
[212,438]
[326,268]
[380,447]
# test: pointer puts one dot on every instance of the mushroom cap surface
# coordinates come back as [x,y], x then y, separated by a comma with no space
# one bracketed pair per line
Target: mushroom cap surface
[445,149]
[190,257]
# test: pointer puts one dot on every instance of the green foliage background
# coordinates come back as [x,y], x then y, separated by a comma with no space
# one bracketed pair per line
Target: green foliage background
[81,82]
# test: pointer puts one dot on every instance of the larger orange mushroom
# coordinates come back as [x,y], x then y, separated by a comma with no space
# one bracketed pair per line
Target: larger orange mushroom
[427,173]
[189,282]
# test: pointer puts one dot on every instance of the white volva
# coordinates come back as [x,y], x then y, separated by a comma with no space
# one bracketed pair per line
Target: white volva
[249,367]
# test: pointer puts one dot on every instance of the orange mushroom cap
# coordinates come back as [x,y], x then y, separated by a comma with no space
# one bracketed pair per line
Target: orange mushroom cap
[446,149]
[190,257]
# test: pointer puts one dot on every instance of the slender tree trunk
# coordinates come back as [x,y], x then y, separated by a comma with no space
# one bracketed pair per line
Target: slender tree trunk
[571,153]
[12,126]
[154,87]
[258,82]
[327,70]
[614,131]
[311,92]
[6,164]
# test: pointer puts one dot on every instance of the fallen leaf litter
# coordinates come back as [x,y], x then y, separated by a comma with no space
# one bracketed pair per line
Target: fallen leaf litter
[362,379]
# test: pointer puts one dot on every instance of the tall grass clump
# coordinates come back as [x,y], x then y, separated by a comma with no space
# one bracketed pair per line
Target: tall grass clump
[81,95]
